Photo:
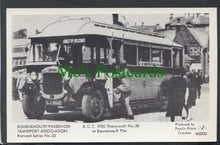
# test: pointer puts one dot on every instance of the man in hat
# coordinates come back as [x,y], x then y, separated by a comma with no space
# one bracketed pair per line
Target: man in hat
[21,82]
[177,90]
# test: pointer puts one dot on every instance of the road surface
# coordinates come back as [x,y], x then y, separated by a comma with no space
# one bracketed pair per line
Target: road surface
[199,113]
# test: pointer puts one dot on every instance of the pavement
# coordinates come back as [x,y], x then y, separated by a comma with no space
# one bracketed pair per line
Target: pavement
[200,112]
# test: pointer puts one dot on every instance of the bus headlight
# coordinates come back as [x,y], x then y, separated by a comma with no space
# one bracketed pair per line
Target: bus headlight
[34,76]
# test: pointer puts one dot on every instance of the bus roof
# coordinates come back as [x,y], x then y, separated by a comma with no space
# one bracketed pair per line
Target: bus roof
[73,27]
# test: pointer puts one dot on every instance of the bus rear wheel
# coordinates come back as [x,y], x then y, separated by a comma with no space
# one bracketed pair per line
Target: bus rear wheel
[93,106]
[33,107]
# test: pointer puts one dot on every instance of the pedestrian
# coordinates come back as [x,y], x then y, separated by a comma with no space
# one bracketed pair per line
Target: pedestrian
[176,94]
[191,95]
[198,84]
[20,84]
[121,93]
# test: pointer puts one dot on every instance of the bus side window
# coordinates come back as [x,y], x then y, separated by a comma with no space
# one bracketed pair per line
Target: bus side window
[104,52]
[114,56]
[39,52]
[65,54]
[143,55]
[176,58]
[94,54]
[86,54]
[166,58]
[116,45]
[130,54]
[102,55]
[76,53]
[156,55]
[70,53]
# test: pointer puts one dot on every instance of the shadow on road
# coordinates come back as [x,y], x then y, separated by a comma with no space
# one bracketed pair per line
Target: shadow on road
[75,116]
[63,116]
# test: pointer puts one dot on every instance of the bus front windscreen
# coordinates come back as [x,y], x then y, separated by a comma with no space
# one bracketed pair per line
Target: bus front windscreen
[44,52]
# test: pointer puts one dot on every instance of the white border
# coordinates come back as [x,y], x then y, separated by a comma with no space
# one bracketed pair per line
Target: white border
[150,132]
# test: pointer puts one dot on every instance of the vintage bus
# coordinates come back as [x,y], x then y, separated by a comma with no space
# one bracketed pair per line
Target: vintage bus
[82,42]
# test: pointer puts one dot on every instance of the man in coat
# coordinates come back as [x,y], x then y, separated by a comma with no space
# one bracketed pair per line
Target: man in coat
[176,97]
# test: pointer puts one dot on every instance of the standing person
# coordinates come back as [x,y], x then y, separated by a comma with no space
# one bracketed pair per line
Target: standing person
[198,84]
[177,90]
[122,93]
[191,98]
[20,84]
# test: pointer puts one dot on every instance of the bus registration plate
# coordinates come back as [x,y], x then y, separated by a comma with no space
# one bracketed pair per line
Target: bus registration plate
[56,102]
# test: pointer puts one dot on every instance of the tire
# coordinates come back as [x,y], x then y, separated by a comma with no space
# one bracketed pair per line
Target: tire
[33,108]
[93,106]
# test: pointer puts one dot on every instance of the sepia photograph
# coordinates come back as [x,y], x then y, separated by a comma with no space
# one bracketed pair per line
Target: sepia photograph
[98,69]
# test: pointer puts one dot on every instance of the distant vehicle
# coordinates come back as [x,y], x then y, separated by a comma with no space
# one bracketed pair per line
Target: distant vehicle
[78,42]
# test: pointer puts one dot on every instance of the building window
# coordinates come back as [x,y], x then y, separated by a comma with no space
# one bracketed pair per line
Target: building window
[178,20]
[18,50]
[20,62]
[185,50]
[16,62]
[194,51]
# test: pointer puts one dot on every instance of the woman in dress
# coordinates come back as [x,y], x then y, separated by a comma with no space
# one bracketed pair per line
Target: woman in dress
[191,100]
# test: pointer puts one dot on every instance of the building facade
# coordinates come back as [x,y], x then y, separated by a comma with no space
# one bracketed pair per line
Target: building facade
[191,31]
[19,48]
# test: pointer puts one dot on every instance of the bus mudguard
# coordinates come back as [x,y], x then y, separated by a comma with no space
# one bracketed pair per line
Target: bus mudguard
[87,87]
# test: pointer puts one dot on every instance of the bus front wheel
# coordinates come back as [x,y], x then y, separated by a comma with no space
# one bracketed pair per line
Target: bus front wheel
[33,107]
[93,106]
